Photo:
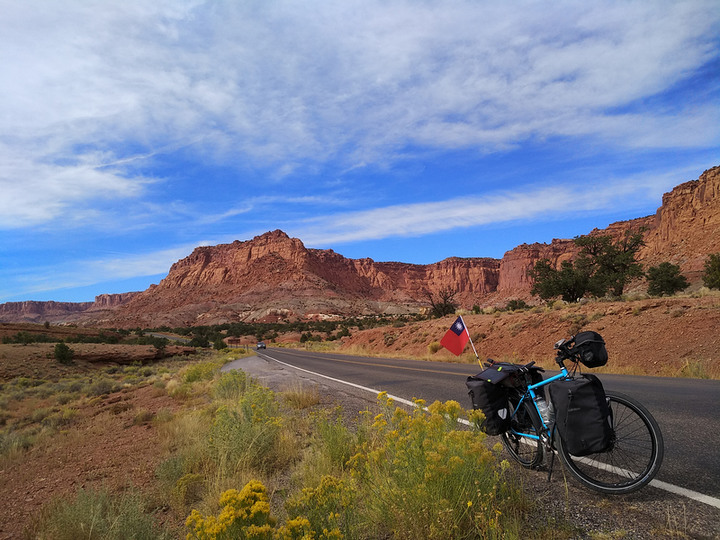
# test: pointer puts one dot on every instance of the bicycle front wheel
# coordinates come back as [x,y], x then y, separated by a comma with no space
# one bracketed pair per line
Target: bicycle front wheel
[633,459]
[526,450]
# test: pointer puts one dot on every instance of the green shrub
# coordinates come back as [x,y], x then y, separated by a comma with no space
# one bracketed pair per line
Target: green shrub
[434,347]
[62,418]
[38,415]
[13,441]
[514,304]
[245,435]
[101,387]
[202,371]
[146,371]
[337,441]
[143,416]
[665,279]
[63,353]
[711,275]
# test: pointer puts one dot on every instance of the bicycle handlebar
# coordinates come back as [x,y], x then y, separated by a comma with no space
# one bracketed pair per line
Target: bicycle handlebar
[565,350]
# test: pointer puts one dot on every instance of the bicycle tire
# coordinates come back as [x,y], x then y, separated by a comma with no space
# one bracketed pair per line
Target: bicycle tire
[526,451]
[633,459]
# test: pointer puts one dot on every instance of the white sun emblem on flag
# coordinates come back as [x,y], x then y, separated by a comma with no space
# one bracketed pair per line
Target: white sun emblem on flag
[458,326]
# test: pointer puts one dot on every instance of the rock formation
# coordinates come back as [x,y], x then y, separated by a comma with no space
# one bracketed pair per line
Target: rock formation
[274,276]
[39,312]
[34,311]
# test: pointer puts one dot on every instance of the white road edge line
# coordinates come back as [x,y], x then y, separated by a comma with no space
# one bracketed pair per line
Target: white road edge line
[659,484]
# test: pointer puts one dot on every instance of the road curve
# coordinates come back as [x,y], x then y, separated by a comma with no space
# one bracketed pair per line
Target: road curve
[684,408]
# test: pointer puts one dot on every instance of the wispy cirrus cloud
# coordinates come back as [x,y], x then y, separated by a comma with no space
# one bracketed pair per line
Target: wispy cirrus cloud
[188,120]
[535,204]
[287,87]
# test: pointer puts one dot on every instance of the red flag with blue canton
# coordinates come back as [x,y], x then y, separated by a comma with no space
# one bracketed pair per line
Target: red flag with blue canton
[456,338]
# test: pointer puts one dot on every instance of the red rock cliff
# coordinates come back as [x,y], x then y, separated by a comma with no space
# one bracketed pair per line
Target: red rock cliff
[273,272]
[274,275]
[686,228]
[683,231]
[38,312]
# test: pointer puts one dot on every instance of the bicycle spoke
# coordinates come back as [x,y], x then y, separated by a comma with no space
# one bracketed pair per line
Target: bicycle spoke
[633,459]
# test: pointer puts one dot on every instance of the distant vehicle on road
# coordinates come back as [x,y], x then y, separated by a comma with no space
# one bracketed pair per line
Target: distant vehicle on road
[261,345]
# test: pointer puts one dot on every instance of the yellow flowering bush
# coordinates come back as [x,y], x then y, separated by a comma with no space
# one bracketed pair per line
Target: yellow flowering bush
[295,529]
[423,477]
[328,508]
[201,371]
[402,474]
[245,515]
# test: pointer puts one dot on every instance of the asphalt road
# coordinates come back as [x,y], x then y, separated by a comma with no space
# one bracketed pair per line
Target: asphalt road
[685,409]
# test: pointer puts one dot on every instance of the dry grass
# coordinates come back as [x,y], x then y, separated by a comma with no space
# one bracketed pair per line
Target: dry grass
[301,396]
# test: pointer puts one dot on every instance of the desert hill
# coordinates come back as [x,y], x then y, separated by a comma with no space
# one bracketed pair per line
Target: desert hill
[274,276]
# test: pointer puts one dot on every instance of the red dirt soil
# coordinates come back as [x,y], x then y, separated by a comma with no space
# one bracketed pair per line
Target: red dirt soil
[104,448]
[107,448]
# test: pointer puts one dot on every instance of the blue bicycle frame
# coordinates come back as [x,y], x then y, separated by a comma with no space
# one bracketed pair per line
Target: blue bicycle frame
[564,374]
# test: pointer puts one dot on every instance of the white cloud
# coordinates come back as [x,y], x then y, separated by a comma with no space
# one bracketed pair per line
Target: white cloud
[563,200]
[82,273]
[35,192]
[560,201]
[286,84]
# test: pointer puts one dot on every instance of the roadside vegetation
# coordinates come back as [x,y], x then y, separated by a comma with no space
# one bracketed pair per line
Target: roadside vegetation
[32,410]
[238,460]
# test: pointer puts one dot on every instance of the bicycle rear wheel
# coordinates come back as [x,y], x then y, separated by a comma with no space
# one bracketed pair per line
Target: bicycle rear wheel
[633,459]
[525,450]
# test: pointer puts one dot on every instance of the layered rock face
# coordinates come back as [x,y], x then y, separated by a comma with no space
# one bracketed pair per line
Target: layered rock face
[274,276]
[686,228]
[683,231]
[38,312]
[111,301]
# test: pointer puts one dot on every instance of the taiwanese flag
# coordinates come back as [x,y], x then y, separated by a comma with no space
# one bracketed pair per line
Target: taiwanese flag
[456,338]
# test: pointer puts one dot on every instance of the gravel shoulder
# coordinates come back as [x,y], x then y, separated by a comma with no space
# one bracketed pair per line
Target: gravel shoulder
[648,514]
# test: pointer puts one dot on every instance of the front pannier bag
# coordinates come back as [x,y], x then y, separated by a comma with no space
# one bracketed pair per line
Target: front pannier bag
[492,399]
[582,415]
[591,347]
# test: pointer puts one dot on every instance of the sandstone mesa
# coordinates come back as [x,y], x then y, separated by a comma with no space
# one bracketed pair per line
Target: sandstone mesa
[274,277]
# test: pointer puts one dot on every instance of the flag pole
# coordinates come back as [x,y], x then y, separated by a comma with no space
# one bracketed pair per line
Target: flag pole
[471,341]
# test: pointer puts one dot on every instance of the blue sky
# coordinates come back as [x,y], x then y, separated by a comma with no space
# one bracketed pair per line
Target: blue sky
[132,132]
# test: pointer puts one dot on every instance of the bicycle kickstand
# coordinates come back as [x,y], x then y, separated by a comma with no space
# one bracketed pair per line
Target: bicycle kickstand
[549,448]
[552,462]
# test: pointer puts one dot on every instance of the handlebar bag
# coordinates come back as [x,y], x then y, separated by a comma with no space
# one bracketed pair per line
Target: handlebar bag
[591,348]
[492,399]
[582,415]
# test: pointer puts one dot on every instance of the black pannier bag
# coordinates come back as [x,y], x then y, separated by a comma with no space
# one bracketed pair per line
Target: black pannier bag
[509,374]
[492,399]
[591,347]
[582,415]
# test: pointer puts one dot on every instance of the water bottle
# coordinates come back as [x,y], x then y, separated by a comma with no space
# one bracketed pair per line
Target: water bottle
[546,412]
[551,414]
